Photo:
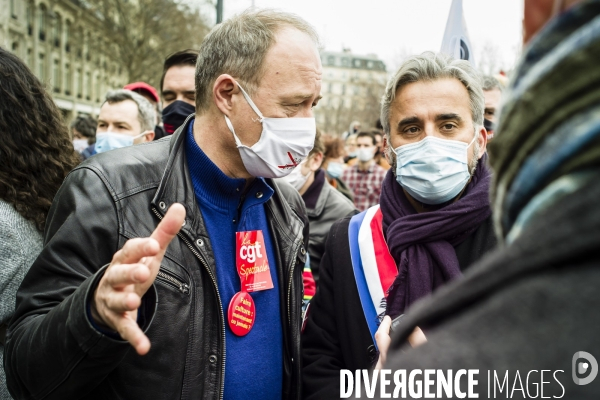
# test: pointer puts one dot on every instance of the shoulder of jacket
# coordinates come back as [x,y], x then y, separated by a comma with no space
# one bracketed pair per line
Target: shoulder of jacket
[291,195]
[337,199]
[134,166]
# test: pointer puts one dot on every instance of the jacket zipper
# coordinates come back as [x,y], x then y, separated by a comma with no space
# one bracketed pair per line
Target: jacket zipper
[183,287]
[218,297]
[290,289]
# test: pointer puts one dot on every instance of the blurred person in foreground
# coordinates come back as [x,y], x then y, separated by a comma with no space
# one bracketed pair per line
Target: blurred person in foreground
[324,204]
[126,118]
[177,88]
[492,91]
[36,155]
[364,179]
[173,269]
[150,94]
[533,303]
[333,164]
[83,130]
[432,222]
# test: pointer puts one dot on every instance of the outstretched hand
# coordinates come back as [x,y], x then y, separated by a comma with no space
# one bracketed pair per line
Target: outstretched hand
[130,274]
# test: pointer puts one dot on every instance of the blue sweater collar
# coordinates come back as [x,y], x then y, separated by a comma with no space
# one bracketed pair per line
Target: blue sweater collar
[211,185]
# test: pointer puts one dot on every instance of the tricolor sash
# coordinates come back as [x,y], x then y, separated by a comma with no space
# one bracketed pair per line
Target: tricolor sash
[373,265]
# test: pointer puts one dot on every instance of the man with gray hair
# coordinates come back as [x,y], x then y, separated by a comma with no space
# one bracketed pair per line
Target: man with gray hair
[432,222]
[492,91]
[126,118]
[173,269]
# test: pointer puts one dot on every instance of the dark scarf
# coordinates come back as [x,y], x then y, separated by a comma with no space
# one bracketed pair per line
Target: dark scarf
[423,244]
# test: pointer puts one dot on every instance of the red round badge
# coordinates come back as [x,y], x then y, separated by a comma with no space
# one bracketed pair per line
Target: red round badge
[241,313]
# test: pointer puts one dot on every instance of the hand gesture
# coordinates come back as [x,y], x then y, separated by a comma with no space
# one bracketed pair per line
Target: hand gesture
[128,277]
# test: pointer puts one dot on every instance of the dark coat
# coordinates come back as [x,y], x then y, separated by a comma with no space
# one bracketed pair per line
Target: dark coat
[54,352]
[336,335]
[528,306]
[330,206]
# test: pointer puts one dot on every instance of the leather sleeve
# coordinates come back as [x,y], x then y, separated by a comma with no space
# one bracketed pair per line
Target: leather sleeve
[53,352]
[322,356]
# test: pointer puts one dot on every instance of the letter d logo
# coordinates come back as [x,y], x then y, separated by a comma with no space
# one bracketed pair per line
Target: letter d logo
[582,367]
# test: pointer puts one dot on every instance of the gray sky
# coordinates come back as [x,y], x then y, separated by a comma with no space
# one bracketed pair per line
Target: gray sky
[393,29]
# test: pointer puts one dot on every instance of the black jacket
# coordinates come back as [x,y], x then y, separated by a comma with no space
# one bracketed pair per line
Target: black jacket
[54,352]
[336,335]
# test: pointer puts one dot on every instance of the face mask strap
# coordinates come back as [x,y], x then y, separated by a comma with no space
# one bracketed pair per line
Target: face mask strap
[251,103]
[230,126]
[472,141]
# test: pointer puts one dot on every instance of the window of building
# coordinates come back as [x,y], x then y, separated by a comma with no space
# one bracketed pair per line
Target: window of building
[42,21]
[98,87]
[370,65]
[15,47]
[41,68]
[56,76]
[29,13]
[331,60]
[67,36]
[88,89]
[57,30]
[29,58]
[78,82]
[67,79]
[13,8]
[356,63]
[343,89]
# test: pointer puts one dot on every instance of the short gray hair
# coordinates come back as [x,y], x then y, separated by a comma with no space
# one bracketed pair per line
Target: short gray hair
[238,47]
[491,83]
[146,113]
[431,66]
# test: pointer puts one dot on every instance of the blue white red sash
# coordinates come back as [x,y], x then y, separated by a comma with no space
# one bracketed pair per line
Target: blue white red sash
[373,265]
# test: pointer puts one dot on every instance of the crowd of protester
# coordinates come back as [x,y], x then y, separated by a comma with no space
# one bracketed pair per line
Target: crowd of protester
[188,242]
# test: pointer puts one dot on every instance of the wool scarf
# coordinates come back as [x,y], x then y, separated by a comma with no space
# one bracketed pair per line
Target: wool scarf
[422,244]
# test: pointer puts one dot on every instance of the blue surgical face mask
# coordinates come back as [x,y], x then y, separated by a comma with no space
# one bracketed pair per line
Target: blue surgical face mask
[106,141]
[433,170]
[335,169]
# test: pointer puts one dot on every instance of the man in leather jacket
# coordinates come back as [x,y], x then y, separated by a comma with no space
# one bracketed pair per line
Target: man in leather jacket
[110,279]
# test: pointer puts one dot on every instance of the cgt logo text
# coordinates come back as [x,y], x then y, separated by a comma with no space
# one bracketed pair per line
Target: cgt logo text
[464,383]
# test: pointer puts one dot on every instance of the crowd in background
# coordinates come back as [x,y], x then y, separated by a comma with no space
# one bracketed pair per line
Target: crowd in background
[424,196]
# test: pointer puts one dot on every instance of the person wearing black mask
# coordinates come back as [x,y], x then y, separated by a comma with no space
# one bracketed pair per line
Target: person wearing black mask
[177,88]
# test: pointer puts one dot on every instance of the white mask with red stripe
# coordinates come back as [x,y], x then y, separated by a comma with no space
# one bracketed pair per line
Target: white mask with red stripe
[283,144]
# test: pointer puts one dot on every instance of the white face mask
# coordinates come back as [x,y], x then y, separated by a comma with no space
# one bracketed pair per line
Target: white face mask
[80,145]
[433,170]
[283,144]
[295,178]
[366,154]
[108,140]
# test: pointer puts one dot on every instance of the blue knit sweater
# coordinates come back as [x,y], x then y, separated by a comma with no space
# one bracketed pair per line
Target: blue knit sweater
[254,363]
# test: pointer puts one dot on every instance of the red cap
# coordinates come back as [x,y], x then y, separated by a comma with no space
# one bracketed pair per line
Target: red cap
[144,87]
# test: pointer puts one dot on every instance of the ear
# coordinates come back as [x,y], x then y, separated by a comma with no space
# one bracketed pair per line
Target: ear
[148,137]
[385,148]
[223,90]
[315,161]
[482,141]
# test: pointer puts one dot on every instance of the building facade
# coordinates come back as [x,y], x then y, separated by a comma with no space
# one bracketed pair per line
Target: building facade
[62,43]
[352,87]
